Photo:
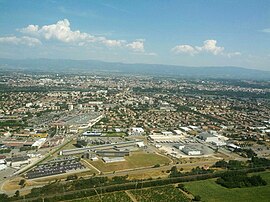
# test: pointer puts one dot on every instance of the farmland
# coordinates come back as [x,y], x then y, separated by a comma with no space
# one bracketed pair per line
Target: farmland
[165,193]
[210,191]
[111,197]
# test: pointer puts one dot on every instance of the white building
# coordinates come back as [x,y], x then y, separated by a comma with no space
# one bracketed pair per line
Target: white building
[70,107]
[166,133]
[2,161]
[113,159]
[3,167]
[17,162]
[191,151]
[137,131]
[140,144]
[39,143]
[208,137]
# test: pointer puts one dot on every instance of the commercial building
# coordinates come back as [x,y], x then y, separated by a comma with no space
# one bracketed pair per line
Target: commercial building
[100,147]
[2,167]
[137,131]
[89,133]
[191,151]
[110,153]
[39,143]
[208,137]
[113,160]
[18,161]
[166,138]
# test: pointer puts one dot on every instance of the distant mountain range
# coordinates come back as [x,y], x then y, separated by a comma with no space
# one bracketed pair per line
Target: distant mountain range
[95,66]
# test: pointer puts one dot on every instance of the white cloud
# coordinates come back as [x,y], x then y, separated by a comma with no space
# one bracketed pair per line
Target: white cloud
[151,54]
[209,46]
[25,40]
[29,29]
[267,30]
[137,46]
[112,43]
[61,31]
[184,49]
[233,54]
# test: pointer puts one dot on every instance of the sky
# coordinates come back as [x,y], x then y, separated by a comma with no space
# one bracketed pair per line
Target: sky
[178,32]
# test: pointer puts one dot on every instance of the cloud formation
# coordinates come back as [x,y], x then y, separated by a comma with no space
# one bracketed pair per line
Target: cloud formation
[137,46]
[25,40]
[185,49]
[209,46]
[61,31]
[267,30]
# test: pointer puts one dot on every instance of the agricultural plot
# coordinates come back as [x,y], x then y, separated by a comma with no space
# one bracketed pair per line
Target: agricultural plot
[136,160]
[165,193]
[212,192]
[110,197]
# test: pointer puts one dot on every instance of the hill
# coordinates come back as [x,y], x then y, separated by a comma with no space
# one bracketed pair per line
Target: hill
[95,66]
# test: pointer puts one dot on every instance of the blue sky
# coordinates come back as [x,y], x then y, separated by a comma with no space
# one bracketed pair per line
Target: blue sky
[183,32]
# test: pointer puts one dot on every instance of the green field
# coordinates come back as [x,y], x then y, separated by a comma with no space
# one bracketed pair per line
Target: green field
[212,192]
[159,194]
[110,197]
[135,160]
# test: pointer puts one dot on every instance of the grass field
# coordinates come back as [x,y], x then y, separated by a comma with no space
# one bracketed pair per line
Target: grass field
[110,197]
[135,160]
[212,192]
[165,193]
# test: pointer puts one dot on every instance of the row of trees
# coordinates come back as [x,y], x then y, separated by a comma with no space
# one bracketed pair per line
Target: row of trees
[239,179]
[174,172]
[254,162]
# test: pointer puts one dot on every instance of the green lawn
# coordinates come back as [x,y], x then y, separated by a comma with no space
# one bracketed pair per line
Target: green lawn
[110,197]
[159,194]
[212,192]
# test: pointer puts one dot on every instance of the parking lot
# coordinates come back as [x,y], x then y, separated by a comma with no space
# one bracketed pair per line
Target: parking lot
[55,167]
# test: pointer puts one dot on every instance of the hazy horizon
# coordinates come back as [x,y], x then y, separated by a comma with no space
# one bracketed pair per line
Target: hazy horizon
[182,33]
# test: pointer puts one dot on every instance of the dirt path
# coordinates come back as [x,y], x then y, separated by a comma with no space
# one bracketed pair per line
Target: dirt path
[131,196]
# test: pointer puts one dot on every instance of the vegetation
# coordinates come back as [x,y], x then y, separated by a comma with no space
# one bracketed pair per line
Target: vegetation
[165,193]
[195,171]
[3,151]
[115,134]
[240,179]
[135,160]
[210,191]
[27,148]
[4,198]
[82,188]
[255,162]
[111,197]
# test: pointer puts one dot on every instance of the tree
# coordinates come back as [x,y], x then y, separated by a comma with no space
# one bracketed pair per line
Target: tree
[22,182]
[221,164]
[197,198]
[156,166]
[17,193]
[4,197]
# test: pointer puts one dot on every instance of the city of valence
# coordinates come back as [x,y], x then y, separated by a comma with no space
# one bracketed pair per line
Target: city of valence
[91,137]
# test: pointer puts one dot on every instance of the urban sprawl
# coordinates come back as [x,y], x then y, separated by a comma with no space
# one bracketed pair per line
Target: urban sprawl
[68,127]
